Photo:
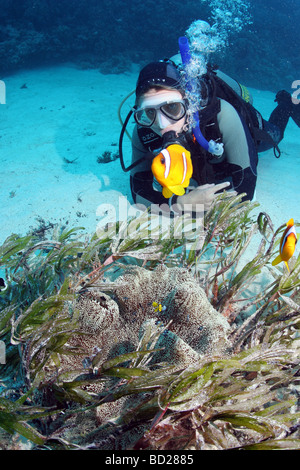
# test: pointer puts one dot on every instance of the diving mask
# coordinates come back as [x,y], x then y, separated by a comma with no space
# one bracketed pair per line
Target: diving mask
[165,105]
[174,111]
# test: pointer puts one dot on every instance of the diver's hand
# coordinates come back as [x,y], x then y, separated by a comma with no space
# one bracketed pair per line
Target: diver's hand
[200,198]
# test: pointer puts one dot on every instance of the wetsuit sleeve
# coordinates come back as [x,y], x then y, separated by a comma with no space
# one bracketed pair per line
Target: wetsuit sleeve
[141,177]
[240,150]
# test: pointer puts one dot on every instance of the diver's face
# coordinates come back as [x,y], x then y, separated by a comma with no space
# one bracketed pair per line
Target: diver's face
[162,123]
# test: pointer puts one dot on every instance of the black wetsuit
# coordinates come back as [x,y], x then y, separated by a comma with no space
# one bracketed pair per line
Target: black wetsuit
[238,164]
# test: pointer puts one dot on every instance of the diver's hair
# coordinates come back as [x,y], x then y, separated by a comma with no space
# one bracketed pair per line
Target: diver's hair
[159,73]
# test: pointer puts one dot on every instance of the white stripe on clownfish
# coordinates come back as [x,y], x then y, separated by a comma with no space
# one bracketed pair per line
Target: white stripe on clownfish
[167,158]
[289,232]
[184,167]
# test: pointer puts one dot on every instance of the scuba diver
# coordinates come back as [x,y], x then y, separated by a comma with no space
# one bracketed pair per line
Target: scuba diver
[170,164]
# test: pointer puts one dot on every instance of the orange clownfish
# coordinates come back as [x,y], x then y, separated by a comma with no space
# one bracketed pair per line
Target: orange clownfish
[287,244]
[173,169]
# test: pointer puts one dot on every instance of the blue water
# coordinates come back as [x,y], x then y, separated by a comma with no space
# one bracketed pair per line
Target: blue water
[110,35]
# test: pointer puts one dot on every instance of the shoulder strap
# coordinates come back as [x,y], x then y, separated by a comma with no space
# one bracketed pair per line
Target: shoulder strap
[250,115]
[209,113]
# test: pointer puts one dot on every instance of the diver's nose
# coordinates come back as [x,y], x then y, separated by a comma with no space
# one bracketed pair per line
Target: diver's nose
[162,121]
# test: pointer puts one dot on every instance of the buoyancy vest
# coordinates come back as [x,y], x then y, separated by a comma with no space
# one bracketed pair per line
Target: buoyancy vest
[207,168]
[252,118]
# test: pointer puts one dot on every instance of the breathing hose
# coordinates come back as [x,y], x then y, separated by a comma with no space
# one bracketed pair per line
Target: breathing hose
[212,147]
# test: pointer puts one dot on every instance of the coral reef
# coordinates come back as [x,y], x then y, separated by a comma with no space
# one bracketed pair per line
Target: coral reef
[114,326]
[121,342]
[107,156]
[193,318]
[43,33]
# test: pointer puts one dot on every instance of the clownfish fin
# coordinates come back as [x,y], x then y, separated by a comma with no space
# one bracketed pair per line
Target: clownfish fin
[290,223]
[186,183]
[167,193]
[178,190]
[287,266]
[277,260]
